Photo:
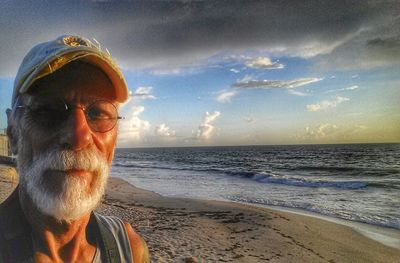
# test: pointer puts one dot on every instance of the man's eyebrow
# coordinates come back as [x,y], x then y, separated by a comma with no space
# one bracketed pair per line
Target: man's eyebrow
[37,90]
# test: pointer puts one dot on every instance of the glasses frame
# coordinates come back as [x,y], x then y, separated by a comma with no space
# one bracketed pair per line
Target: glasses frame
[69,107]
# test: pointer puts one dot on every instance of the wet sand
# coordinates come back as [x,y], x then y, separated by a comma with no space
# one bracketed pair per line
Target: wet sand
[188,230]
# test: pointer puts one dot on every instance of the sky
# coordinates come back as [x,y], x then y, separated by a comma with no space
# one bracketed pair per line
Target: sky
[208,73]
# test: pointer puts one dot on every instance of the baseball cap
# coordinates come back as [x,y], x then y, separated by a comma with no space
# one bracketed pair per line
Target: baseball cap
[45,58]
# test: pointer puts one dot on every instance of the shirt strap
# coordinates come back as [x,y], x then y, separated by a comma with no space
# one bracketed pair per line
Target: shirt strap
[114,238]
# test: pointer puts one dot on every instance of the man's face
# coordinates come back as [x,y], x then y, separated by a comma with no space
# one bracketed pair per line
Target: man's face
[64,164]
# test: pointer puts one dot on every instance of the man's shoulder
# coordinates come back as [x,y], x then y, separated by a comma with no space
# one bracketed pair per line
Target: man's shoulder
[114,236]
[15,239]
[12,218]
[10,202]
[11,212]
[138,245]
[125,236]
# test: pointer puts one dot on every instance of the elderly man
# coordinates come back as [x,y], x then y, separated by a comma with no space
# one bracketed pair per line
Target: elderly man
[63,128]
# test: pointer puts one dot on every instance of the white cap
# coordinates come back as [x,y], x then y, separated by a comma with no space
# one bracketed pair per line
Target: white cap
[47,57]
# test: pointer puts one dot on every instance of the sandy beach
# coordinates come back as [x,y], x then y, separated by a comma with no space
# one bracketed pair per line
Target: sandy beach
[188,230]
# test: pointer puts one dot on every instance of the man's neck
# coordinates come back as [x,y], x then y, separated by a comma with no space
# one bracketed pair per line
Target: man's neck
[55,240]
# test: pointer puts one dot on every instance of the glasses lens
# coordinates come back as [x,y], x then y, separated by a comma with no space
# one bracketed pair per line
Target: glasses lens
[101,116]
[49,113]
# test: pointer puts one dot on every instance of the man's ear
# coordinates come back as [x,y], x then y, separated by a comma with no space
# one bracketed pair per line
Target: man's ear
[12,132]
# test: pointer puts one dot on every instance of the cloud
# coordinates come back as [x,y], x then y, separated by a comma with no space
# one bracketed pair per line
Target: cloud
[163,130]
[351,87]
[249,119]
[361,127]
[263,63]
[133,129]
[143,93]
[274,84]
[374,45]
[234,70]
[226,96]
[171,34]
[321,131]
[166,71]
[354,114]
[354,87]
[328,132]
[206,127]
[326,104]
[297,93]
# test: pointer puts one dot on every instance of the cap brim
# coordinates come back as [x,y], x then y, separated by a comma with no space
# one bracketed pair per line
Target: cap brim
[56,62]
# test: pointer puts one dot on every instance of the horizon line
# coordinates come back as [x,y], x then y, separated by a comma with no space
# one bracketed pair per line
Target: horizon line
[254,145]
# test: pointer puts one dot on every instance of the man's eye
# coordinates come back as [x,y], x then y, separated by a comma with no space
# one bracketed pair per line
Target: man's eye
[96,113]
[48,114]
[45,109]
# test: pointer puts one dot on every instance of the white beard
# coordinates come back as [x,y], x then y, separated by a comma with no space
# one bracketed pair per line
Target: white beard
[75,196]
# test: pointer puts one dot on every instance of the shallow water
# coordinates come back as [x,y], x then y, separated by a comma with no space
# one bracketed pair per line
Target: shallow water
[355,182]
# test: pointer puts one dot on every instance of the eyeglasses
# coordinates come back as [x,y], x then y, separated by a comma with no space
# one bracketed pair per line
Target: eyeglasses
[101,115]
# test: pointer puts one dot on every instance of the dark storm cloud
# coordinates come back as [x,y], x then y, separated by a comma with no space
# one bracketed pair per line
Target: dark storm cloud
[373,46]
[392,42]
[160,33]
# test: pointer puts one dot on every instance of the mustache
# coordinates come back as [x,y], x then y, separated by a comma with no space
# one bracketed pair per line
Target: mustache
[89,160]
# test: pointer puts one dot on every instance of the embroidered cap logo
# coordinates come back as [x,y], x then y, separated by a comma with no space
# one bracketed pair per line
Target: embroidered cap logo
[74,41]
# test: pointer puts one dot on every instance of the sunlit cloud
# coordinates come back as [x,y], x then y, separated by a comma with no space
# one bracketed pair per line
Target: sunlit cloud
[354,114]
[248,119]
[351,87]
[328,132]
[234,70]
[226,96]
[133,128]
[143,93]
[166,71]
[297,93]
[326,104]
[274,84]
[206,127]
[163,130]
[354,87]
[361,127]
[321,131]
[263,63]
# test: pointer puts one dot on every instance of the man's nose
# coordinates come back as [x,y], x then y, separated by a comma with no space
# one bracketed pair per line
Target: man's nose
[77,134]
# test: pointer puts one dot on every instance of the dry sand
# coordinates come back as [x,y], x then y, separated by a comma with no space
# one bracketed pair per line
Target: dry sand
[8,181]
[187,230]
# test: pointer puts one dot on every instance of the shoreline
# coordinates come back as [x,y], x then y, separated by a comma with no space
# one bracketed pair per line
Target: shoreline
[389,236]
[385,235]
[234,232]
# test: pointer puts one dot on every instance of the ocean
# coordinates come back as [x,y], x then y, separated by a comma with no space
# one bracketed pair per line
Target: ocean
[358,182]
